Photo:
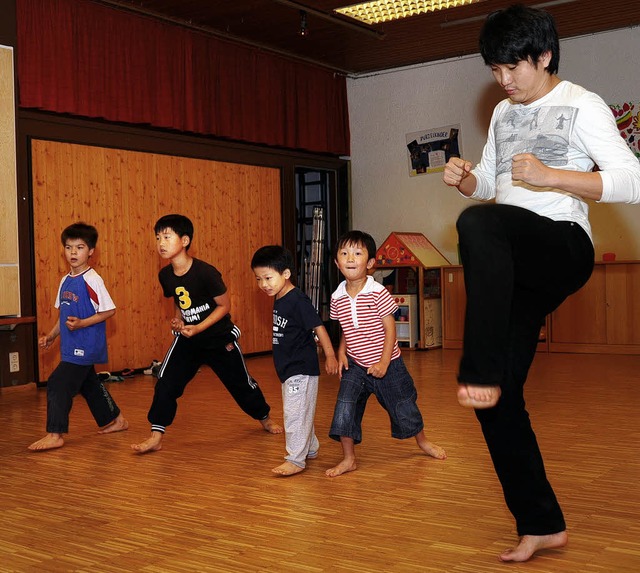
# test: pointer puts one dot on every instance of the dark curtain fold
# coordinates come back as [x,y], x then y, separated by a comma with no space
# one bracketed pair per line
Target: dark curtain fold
[85,59]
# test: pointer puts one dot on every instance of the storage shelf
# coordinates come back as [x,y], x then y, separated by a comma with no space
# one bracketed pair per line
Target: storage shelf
[407,331]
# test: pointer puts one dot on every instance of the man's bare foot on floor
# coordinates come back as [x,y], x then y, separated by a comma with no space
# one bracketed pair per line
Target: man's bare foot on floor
[270,426]
[478,397]
[49,442]
[346,465]
[152,444]
[118,425]
[529,544]
[287,469]
[430,448]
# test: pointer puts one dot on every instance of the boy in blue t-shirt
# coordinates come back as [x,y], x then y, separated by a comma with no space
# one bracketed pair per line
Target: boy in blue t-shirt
[84,304]
[295,354]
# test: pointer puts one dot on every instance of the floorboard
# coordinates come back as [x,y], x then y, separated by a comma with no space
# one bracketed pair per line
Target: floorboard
[208,501]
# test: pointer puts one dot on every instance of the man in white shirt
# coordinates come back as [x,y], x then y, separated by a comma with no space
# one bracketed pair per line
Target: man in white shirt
[525,253]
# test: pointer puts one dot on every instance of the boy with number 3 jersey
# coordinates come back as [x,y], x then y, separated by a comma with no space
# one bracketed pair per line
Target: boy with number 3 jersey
[203,334]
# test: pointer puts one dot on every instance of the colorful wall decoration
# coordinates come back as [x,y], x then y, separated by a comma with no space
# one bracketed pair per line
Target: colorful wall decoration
[628,120]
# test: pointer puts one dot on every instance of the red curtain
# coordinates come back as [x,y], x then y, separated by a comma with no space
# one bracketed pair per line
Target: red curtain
[85,59]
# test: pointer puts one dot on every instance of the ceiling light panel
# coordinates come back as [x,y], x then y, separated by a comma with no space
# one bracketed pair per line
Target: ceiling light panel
[388,10]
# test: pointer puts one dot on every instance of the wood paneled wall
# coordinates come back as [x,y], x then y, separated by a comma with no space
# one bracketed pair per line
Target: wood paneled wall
[235,209]
[9,268]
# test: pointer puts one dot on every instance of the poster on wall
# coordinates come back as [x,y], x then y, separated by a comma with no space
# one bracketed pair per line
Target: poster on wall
[430,150]
[627,116]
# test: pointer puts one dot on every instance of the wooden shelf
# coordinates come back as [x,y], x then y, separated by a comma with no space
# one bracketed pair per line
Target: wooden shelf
[424,285]
[7,320]
[407,330]
[603,317]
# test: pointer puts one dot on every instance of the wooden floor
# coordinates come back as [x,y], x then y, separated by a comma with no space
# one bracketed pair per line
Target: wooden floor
[209,503]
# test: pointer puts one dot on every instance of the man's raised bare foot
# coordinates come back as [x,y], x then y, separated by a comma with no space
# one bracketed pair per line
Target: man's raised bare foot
[529,544]
[270,426]
[118,425]
[287,469]
[49,442]
[478,397]
[152,444]
[346,465]
[430,448]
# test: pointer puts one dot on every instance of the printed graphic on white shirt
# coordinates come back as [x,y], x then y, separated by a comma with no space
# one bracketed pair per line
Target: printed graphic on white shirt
[545,132]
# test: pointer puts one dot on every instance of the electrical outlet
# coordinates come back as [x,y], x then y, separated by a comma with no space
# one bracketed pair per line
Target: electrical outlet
[14,362]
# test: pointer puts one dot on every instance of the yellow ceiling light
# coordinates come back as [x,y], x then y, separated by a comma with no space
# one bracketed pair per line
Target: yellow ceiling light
[388,10]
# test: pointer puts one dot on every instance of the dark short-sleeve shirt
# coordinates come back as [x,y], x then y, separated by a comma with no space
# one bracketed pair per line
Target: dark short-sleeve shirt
[295,351]
[194,294]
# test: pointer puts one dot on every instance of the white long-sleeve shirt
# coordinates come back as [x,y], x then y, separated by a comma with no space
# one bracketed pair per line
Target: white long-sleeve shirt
[570,128]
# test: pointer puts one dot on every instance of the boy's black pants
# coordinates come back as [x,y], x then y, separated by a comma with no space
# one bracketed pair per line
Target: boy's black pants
[68,380]
[181,364]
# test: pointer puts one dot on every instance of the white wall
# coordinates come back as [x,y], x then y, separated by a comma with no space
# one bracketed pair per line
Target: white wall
[384,108]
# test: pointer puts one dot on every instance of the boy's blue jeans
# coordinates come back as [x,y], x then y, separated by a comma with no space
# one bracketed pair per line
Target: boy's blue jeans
[396,393]
[518,267]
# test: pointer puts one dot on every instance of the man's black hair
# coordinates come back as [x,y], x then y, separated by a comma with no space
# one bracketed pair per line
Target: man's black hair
[82,231]
[179,224]
[518,33]
[273,257]
[357,238]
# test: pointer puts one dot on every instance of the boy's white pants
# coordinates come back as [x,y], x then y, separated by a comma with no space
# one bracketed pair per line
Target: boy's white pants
[299,397]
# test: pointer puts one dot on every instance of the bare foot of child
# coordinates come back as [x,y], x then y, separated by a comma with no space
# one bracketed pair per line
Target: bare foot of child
[287,469]
[118,425]
[529,544]
[430,448]
[270,426]
[152,444]
[479,397]
[49,442]
[346,465]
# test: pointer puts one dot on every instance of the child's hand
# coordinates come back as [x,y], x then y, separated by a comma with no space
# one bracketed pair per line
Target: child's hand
[177,325]
[74,323]
[331,365]
[343,364]
[44,342]
[189,330]
[378,370]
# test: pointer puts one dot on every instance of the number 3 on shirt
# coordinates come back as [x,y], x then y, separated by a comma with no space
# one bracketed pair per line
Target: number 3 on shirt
[183,297]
